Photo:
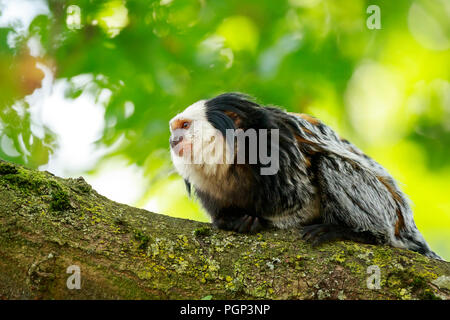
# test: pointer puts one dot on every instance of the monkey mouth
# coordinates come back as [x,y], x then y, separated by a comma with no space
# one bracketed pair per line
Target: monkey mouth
[175,140]
[182,148]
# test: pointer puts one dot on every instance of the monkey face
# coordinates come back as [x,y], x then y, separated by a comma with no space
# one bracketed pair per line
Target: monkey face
[196,145]
[183,132]
[181,137]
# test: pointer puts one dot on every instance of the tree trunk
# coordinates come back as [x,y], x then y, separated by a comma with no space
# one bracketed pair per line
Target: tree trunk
[51,226]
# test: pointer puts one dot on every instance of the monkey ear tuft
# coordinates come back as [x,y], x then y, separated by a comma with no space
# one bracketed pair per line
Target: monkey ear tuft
[235,117]
[188,187]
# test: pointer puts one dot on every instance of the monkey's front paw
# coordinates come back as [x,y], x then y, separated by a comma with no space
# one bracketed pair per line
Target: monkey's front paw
[249,224]
[242,224]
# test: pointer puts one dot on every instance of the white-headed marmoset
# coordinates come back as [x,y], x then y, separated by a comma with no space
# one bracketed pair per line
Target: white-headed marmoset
[323,185]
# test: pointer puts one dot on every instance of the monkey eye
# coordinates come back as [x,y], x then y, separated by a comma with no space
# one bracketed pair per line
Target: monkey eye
[185,125]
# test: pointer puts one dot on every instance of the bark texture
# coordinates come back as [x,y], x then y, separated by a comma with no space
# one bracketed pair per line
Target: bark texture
[48,224]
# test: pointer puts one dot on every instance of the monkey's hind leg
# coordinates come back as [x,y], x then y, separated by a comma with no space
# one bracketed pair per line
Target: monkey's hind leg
[317,234]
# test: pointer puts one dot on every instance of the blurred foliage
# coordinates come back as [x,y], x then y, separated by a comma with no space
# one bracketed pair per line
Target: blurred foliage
[387,90]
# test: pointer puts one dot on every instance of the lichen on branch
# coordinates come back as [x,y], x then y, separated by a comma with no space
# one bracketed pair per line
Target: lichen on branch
[48,224]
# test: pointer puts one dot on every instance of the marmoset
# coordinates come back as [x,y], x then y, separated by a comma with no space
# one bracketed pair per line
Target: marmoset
[314,180]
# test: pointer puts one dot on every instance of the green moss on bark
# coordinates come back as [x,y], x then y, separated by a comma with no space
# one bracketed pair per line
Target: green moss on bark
[128,253]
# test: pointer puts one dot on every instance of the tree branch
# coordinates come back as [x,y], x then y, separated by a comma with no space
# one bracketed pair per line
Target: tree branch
[48,224]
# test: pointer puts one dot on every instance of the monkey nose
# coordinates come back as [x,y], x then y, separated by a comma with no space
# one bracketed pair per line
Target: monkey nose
[175,140]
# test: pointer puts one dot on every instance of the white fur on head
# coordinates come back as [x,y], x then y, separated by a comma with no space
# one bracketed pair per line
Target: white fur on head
[203,158]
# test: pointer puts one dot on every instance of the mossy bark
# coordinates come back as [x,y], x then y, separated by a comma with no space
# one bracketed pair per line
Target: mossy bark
[48,224]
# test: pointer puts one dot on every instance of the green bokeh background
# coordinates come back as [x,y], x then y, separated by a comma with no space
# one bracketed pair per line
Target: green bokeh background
[387,90]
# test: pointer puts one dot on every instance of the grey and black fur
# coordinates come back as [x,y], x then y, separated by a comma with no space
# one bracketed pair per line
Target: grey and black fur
[325,186]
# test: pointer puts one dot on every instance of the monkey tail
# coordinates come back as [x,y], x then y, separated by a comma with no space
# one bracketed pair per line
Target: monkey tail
[432,254]
[418,244]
